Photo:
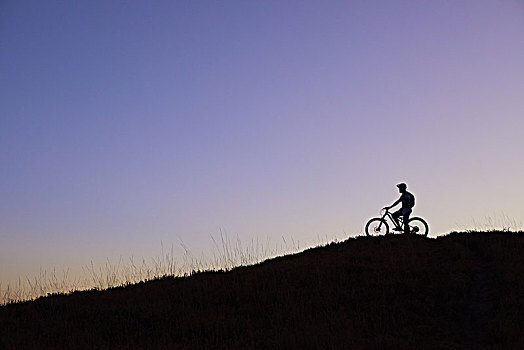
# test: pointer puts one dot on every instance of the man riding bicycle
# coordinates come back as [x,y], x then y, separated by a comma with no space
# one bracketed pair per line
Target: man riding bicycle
[408,202]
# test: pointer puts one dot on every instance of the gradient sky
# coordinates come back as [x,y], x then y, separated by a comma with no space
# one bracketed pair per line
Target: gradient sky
[128,123]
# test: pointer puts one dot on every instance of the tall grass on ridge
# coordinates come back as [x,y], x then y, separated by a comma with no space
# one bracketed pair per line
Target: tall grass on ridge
[227,254]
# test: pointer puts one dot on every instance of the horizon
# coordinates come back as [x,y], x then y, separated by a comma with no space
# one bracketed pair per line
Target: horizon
[127,125]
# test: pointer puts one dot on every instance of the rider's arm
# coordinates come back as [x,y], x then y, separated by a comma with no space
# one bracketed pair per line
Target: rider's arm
[396,202]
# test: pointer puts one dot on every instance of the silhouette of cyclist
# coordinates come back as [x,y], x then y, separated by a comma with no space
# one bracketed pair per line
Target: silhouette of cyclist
[408,202]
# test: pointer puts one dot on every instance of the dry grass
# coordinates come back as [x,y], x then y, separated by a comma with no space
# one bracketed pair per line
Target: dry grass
[228,253]
[499,222]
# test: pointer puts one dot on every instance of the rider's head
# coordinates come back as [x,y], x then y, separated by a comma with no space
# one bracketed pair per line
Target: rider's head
[402,187]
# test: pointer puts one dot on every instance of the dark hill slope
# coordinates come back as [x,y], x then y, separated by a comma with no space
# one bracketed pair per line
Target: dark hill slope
[459,291]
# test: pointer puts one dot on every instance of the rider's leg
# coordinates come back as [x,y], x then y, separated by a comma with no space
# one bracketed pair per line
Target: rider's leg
[405,215]
[395,217]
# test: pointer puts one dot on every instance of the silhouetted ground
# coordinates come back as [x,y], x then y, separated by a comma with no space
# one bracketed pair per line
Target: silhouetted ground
[459,291]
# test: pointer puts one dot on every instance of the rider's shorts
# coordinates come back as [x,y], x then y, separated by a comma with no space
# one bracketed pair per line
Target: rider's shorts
[403,212]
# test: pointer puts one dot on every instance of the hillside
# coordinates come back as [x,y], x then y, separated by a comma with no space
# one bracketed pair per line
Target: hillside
[463,290]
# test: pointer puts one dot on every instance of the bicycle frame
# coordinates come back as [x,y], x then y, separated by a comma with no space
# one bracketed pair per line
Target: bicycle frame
[390,216]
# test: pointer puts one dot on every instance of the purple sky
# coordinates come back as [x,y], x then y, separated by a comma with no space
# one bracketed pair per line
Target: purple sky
[123,124]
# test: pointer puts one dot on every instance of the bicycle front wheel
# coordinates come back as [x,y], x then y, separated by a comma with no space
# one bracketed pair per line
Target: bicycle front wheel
[377,227]
[418,226]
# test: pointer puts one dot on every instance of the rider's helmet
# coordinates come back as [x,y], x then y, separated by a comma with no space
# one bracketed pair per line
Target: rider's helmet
[402,185]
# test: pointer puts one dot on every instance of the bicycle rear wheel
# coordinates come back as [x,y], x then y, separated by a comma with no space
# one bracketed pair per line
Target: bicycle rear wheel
[377,227]
[418,226]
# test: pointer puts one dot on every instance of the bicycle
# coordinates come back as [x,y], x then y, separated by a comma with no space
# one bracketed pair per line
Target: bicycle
[378,226]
